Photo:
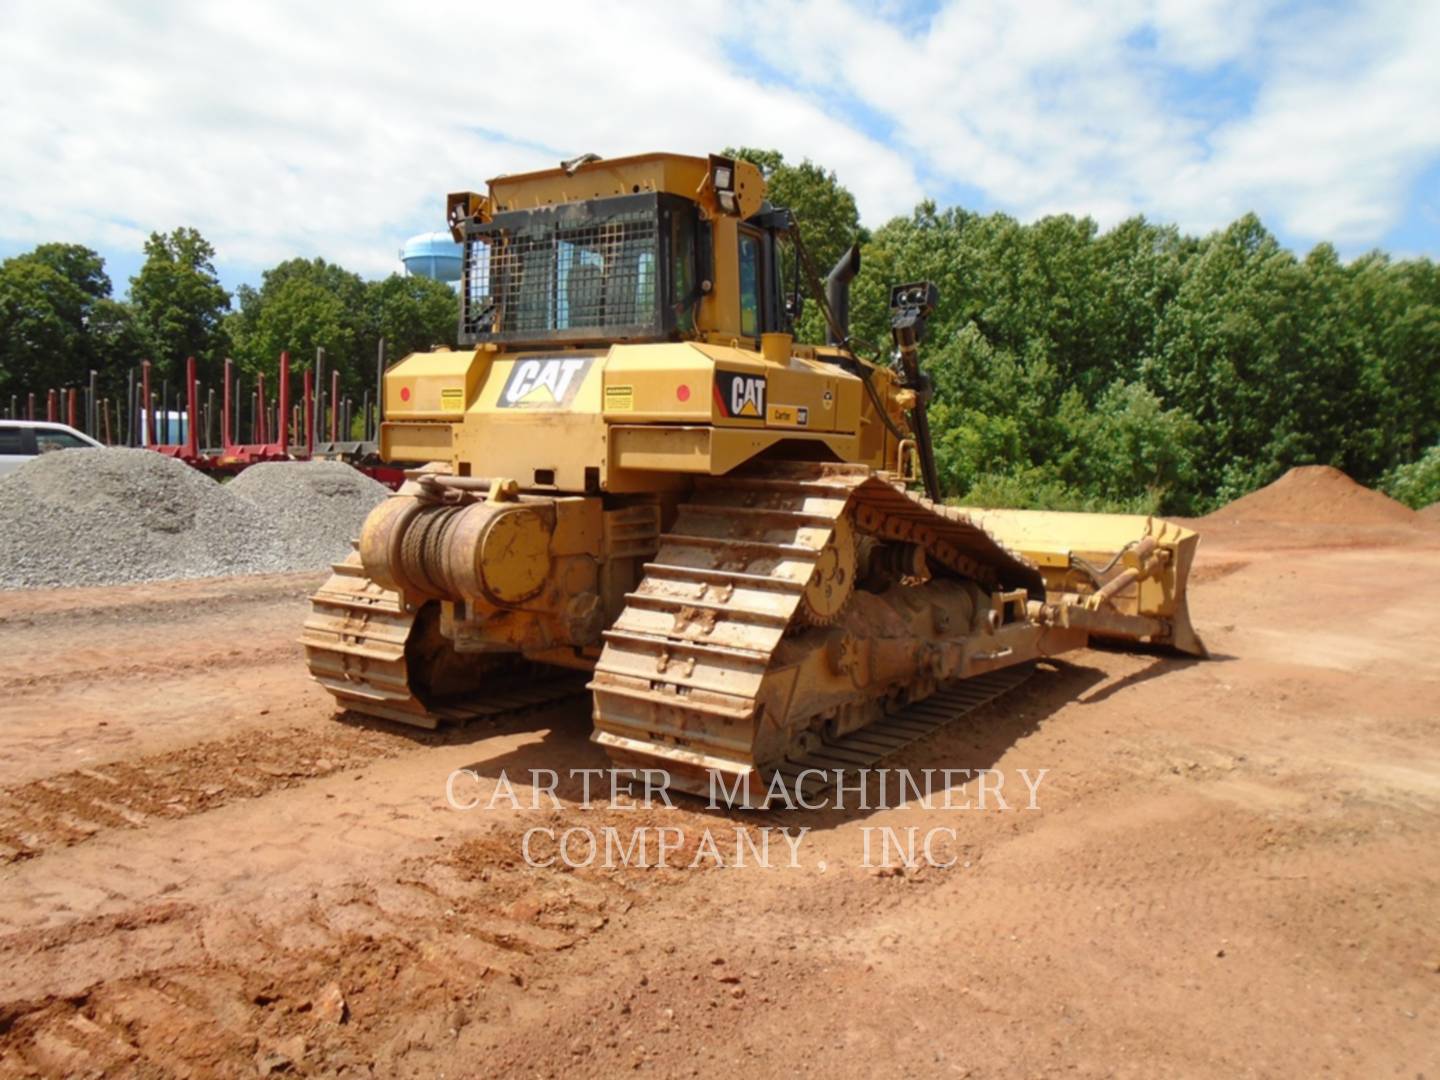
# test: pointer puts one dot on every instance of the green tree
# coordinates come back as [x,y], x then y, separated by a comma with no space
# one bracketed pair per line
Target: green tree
[410,313]
[301,305]
[1125,448]
[1036,352]
[115,344]
[304,304]
[1417,484]
[1398,304]
[80,266]
[48,298]
[179,303]
[1228,349]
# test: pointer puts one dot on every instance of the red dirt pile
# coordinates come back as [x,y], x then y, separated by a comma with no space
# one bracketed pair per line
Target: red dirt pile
[1316,494]
[1431,513]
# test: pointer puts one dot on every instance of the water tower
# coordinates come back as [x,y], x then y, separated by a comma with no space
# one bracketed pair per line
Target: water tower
[433,255]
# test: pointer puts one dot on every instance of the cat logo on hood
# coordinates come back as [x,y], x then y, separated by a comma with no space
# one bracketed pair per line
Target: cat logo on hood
[544,382]
[740,396]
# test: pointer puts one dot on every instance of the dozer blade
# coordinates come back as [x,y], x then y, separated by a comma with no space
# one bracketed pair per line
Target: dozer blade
[1118,576]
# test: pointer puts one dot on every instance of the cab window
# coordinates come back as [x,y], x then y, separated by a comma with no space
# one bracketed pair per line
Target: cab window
[682,275]
[12,440]
[45,441]
[749,284]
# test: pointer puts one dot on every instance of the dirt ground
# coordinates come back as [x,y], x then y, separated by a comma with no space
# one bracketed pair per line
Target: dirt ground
[1234,867]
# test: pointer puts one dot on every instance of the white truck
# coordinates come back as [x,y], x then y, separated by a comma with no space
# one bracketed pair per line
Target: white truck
[21,440]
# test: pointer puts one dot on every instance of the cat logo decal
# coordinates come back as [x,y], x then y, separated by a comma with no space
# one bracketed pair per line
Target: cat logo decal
[740,396]
[544,382]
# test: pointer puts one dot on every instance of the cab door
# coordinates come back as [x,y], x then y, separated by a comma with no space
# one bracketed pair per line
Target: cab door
[755,316]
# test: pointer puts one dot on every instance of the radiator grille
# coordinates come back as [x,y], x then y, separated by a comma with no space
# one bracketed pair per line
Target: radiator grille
[552,277]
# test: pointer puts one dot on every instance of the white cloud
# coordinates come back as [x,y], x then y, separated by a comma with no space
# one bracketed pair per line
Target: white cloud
[1186,110]
[1198,34]
[282,129]
[279,129]
[1340,130]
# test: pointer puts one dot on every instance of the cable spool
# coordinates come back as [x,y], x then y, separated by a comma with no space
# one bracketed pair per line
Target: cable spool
[498,553]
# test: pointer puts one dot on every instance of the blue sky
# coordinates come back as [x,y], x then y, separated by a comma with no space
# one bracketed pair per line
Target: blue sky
[281,129]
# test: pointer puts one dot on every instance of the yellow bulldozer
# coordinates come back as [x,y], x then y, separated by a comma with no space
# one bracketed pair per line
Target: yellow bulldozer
[631,472]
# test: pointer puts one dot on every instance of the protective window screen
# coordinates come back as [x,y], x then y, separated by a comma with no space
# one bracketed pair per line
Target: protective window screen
[552,275]
[749,284]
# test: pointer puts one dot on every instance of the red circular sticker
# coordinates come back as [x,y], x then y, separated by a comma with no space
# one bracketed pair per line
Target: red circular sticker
[405,393]
[682,392]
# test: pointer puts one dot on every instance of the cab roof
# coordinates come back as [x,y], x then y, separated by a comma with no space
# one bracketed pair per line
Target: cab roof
[674,174]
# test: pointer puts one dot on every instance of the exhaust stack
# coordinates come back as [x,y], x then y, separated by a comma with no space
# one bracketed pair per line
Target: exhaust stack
[837,293]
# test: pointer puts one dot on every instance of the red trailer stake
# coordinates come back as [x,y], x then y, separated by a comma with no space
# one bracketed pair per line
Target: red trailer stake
[309,415]
[192,446]
[151,429]
[282,418]
[259,433]
[225,441]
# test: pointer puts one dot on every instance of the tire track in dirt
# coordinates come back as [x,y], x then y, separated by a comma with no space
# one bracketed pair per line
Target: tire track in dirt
[349,976]
[70,808]
[1174,861]
[108,675]
[1216,569]
[163,602]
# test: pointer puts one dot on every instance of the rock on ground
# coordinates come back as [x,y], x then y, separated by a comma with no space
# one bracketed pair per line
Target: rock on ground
[114,516]
[316,507]
[101,517]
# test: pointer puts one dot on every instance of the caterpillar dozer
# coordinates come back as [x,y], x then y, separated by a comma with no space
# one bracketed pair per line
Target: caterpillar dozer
[631,472]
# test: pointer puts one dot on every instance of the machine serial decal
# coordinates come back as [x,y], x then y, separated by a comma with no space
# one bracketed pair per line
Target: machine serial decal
[544,382]
[788,416]
[740,396]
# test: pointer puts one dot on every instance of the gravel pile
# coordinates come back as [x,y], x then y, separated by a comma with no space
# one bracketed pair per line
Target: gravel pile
[317,507]
[105,517]
[108,517]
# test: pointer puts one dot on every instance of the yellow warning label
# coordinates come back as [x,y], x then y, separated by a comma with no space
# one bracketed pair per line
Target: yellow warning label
[787,415]
[452,399]
[619,399]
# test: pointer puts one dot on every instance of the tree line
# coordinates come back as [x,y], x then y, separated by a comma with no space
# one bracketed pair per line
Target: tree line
[1138,368]
[60,319]
[1141,368]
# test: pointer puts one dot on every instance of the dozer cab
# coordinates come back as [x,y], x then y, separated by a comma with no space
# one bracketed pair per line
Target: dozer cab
[630,469]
